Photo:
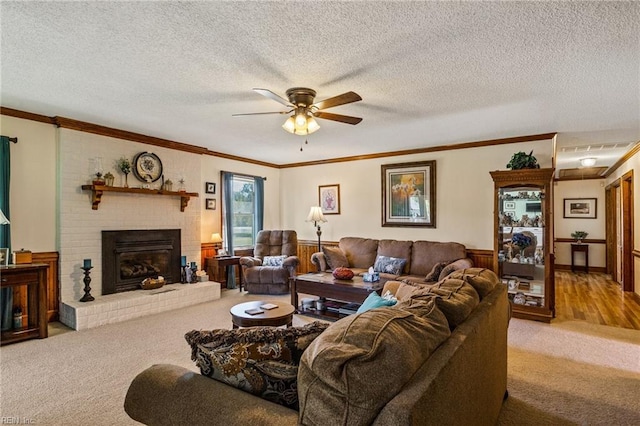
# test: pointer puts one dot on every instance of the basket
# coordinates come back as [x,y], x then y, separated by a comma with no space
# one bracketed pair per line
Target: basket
[152,283]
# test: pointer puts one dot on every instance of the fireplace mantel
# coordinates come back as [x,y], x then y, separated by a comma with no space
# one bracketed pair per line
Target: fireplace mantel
[98,190]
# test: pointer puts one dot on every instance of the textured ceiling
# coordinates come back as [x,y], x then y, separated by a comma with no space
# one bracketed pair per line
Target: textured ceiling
[429,73]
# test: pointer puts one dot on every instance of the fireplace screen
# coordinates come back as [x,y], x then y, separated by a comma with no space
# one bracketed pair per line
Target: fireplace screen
[128,257]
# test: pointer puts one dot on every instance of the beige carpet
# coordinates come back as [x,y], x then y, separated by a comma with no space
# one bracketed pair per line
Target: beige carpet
[566,373]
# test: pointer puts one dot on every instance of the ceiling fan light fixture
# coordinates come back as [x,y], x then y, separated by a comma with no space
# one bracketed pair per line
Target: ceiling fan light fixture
[588,162]
[301,119]
[312,125]
[290,125]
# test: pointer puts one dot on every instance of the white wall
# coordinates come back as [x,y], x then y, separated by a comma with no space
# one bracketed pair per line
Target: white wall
[590,188]
[464,195]
[632,164]
[33,184]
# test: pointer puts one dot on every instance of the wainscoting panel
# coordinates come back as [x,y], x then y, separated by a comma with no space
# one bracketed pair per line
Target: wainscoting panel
[53,288]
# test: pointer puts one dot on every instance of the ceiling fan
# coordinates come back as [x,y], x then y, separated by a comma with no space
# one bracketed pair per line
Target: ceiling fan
[301,104]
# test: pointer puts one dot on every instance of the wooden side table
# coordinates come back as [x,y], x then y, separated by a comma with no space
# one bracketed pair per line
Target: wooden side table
[34,277]
[215,265]
[282,315]
[580,248]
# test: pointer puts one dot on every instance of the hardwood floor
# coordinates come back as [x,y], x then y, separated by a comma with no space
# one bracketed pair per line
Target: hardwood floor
[596,299]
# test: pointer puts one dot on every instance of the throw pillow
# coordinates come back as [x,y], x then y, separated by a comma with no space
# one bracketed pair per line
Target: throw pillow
[389,265]
[447,270]
[353,369]
[455,298]
[335,257]
[273,260]
[483,280]
[434,275]
[259,360]
[374,300]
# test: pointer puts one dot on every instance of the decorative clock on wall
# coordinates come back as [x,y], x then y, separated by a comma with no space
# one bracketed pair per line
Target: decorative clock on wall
[147,167]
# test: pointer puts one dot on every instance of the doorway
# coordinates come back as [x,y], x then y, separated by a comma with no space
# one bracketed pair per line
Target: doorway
[619,230]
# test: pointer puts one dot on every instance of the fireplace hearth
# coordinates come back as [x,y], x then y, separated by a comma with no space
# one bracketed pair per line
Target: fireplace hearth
[130,256]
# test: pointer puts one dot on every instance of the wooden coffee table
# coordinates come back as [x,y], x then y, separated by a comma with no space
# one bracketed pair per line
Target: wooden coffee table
[282,315]
[324,285]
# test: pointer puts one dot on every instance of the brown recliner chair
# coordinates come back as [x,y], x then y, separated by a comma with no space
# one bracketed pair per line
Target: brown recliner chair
[279,250]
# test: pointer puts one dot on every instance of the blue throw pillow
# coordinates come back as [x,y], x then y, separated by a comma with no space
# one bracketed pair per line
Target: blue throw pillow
[374,300]
[273,260]
[389,265]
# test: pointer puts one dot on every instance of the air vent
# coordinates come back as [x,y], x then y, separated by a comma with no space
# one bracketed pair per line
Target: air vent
[595,147]
[581,173]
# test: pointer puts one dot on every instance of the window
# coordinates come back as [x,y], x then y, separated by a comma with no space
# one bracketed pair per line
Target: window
[242,209]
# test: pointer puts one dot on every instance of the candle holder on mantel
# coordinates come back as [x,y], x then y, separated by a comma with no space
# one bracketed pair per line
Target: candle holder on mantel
[87,280]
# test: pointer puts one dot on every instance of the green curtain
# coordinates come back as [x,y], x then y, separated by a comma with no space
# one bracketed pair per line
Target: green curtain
[227,214]
[6,295]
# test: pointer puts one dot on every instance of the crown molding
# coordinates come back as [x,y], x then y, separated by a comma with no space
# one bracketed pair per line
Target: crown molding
[83,126]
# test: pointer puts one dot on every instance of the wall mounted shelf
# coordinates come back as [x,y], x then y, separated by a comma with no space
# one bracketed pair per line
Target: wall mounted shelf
[98,190]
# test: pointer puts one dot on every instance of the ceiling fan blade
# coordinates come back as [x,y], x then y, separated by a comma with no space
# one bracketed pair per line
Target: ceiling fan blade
[261,113]
[337,117]
[345,98]
[269,94]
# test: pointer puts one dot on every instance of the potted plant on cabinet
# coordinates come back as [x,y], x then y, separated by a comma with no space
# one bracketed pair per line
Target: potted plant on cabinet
[521,160]
[579,236]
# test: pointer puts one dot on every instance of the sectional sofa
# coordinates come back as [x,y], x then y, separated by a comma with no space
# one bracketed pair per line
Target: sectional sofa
[438,357]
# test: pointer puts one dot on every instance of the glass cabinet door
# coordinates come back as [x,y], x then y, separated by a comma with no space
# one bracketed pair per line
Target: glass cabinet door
[523,242]
[521,254]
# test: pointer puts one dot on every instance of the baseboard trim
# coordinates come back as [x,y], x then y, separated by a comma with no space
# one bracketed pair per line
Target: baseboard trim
[599,269]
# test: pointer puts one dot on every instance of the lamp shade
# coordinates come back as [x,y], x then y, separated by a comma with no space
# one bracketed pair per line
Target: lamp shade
[3,219]
[216,238]
[315,215]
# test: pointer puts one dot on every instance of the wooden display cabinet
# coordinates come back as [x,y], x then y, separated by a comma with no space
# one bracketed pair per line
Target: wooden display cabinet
[32,277]
[523,201]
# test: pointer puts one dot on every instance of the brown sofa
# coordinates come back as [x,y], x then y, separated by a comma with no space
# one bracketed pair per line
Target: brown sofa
[420,256]
[462,380]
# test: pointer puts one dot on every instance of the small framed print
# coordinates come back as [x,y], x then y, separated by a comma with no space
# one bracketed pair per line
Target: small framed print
[509,205]
[4,256]
[210,204]
[329,198]
[580,208]
[210,187]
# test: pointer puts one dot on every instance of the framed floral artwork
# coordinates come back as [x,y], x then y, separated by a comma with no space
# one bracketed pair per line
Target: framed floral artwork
[329,198]
[409,194]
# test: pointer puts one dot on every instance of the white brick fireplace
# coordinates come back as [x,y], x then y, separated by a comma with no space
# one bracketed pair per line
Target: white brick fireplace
[80,227]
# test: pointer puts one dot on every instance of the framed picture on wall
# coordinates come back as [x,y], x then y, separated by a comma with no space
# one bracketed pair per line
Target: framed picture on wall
[409,194]
[210,187]
[580,208]
[210,203]
[329,198]
[4,256]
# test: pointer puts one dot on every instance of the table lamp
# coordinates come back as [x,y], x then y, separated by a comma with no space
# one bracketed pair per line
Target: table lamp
[316,216]
[217,240]
[3,219]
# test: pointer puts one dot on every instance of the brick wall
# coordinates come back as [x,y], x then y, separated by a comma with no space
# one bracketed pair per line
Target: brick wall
[80,226]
